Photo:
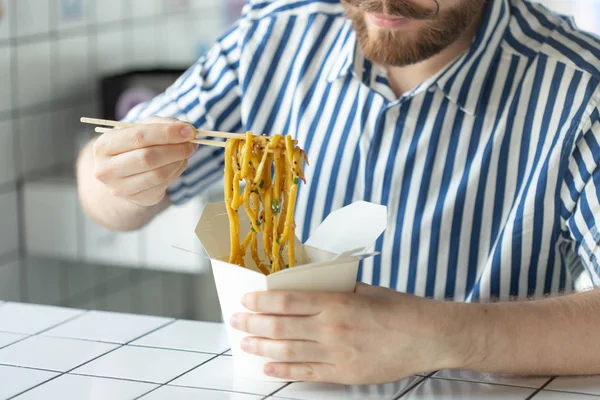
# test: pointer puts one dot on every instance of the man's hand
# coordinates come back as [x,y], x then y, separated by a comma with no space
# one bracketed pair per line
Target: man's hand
[374,335]
[138,164]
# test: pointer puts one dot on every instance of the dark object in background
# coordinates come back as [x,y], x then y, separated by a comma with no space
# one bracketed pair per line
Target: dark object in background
[120,93]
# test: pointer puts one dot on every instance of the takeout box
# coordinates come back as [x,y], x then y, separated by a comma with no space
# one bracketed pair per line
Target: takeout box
[328,261]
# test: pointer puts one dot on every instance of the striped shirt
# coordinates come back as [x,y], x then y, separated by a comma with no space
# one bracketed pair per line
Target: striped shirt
[489,169]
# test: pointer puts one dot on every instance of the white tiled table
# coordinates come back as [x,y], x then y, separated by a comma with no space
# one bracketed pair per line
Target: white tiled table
[58,353]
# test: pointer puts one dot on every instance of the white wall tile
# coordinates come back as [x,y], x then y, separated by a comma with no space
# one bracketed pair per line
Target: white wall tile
[150,293]
[102,245]
[33,77]
[68,132]
[175,6]
[111,51]
[174,227]
[73,75]
[44,285]
[9,213]
[51,219]
[146,8]
[32,17]
[70,14]
[145,45]
[177,42]
[7,19]
[110,11]
[5,78]
[209,4]
[35,142]
[10,279]
[7,160]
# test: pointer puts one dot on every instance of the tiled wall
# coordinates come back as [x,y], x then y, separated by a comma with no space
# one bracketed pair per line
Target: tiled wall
[51,54]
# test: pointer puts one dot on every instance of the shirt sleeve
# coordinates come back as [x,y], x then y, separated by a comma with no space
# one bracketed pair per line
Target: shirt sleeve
[580,197]
[208,96]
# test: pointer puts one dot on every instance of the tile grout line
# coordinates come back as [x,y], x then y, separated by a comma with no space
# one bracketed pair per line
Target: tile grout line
[536,391]
[178,376]
[278,390]
[40,333]
[31,368]
[411,387]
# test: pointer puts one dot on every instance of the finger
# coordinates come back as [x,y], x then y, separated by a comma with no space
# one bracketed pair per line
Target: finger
[147,159]
[152,196]
[286,350]
[123,140]
[274,327]
[306,372]
[134,184]
[286,302]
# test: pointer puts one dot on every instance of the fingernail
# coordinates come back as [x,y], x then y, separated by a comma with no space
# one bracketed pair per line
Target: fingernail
[245,300]
[245,344]
[187,132]
[234,321]
[195,146]
[269,370]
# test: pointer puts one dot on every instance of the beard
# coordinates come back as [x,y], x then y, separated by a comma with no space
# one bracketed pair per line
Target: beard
[400,48]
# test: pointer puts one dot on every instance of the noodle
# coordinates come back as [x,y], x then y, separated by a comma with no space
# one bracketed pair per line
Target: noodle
[269,199]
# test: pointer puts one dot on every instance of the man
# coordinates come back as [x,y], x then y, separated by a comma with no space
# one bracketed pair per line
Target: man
[476,123]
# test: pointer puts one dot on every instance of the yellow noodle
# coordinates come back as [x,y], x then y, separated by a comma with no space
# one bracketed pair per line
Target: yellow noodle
[250,160]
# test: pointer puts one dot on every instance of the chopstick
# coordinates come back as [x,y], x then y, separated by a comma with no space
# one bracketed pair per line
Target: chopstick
[202,133]
[119,124]
[198,141]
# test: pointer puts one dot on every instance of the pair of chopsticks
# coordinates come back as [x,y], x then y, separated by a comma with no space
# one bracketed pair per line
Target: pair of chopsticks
[103,123]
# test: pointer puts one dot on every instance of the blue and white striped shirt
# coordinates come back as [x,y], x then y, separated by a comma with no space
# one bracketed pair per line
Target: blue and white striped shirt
[489,169]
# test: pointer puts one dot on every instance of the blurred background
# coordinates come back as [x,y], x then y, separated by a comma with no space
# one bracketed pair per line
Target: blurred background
[63,59]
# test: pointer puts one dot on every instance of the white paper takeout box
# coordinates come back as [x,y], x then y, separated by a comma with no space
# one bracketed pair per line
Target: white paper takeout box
[328,261]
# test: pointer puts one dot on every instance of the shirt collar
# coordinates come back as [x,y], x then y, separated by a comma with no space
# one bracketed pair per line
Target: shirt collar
[463,81]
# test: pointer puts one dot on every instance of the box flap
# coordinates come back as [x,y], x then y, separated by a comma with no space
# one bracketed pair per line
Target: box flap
[356,226]
[213,229]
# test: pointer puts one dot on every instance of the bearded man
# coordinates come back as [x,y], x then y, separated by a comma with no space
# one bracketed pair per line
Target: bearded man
[477,123]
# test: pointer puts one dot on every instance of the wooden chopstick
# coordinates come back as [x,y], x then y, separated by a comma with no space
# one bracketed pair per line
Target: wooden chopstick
[119,124]
[202,133]
[198,141]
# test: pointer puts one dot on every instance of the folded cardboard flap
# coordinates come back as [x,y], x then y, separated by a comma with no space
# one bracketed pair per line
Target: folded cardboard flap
[351,229]
[356,226]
